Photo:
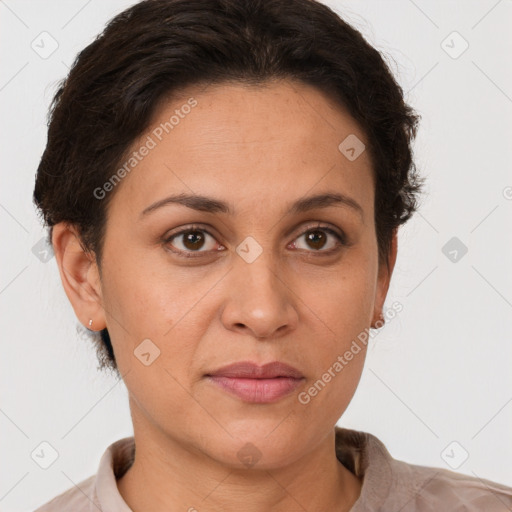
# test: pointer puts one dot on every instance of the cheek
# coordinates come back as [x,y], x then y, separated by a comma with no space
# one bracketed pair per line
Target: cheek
[343,306]
[155,338]
[335,389]
[150,298]
[339,351]
[345,298]
[166,306]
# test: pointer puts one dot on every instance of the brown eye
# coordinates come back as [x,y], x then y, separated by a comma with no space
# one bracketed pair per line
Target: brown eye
[320,240]
[316,239]
[192,240]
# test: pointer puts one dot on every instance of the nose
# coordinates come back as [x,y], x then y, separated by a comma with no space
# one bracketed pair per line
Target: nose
[261,303]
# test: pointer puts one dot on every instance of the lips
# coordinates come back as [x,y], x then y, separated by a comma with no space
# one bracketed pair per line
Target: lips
[257,384]
[250,370]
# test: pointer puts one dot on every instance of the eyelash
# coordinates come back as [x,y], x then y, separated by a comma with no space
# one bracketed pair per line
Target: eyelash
[341,238]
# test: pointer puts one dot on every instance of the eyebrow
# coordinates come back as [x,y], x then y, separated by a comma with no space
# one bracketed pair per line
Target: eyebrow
[212,205]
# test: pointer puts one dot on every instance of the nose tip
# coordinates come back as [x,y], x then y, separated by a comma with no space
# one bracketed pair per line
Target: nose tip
[260,303]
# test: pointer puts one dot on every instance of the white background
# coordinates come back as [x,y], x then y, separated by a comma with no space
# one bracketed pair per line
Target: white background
[439,372]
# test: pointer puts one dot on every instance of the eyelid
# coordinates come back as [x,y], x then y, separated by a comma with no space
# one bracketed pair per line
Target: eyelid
[322,225]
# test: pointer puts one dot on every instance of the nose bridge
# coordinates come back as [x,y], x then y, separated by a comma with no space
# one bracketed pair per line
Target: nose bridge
[257,273]
[260,300]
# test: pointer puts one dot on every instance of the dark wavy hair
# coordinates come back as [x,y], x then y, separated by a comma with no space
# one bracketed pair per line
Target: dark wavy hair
[157,47]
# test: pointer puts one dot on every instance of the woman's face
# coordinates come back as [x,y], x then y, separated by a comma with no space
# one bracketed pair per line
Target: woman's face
[258,279]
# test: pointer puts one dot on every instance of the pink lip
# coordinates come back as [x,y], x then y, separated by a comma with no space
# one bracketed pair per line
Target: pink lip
[258,390]
[250,370]
[258,384]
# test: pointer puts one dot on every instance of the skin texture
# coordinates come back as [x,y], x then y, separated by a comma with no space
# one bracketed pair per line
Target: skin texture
[259,149]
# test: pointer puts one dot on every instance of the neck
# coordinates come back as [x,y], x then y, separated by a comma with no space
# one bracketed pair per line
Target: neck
[169,475]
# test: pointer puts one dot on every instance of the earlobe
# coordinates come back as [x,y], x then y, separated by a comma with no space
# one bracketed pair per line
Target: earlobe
[385,273]
[79,275]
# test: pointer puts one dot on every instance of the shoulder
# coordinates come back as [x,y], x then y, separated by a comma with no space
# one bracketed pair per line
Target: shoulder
[432,488]
[79,498]
[98,492]
[393,484]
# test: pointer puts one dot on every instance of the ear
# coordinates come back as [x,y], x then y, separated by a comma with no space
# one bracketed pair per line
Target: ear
[384,278]
[80,276]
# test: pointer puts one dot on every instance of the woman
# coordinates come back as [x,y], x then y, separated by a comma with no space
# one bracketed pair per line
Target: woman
[223,182]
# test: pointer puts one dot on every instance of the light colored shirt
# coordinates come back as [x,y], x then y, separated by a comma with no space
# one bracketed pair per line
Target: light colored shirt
[389,485]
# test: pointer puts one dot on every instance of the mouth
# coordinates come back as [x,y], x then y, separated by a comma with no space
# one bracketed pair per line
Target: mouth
[258,390]
[257,384]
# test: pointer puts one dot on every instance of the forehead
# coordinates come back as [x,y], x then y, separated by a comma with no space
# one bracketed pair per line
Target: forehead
[274,111]
[277,138]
